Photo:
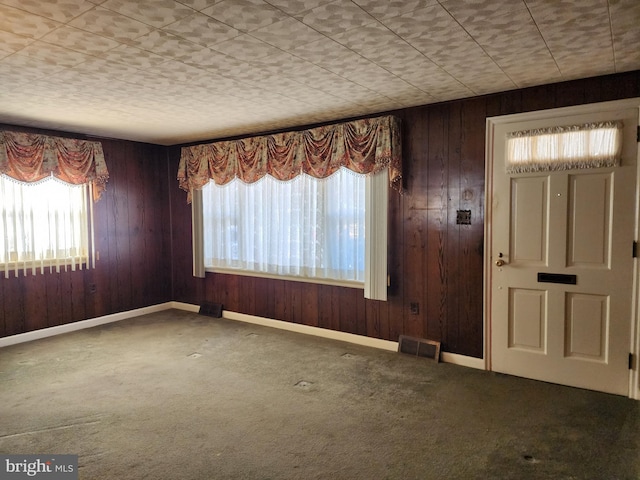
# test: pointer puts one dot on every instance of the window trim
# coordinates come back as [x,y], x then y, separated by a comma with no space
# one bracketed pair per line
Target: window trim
[376,212]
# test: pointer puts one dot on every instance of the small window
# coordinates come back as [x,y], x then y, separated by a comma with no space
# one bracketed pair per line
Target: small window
[591,145]
[43,224]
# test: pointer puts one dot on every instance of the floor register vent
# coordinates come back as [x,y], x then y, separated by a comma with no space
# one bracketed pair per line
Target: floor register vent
[419,347]
[211,310]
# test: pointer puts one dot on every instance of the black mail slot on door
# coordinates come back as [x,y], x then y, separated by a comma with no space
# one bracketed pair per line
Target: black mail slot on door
[558,278]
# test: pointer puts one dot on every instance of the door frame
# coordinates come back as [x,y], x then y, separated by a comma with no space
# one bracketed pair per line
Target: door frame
[491,122]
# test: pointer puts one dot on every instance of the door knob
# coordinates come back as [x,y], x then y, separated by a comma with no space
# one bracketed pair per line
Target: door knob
[500,262]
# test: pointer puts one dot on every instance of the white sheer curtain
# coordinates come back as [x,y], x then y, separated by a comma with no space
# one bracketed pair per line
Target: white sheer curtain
[560,148]
[305,227]
[43,224]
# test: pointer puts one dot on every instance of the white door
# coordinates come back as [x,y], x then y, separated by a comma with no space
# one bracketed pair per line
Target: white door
[561,263]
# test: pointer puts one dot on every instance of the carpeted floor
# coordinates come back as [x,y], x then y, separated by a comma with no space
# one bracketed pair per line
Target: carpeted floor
[175,395]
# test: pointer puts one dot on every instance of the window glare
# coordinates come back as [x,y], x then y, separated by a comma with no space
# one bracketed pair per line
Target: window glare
[42,221]
[304,227]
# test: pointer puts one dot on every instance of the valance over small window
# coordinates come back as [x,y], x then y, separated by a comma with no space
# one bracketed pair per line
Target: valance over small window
[364,146]
[31,157]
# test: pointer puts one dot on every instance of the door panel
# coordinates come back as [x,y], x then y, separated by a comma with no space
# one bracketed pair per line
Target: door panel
[547,227]
[529,220]
[527,319]
[589,224]
[587,324]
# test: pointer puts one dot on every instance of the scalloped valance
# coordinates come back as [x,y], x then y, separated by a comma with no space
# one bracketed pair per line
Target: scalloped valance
[29,157]
[364,146]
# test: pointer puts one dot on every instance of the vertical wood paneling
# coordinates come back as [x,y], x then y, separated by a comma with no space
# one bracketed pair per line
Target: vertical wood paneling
[143,234]
[432,260]
[310,305]
[392,311]
[437,219]
[54,299]
[136,177]
[133,269]
[416,203]
[460,198]
[470,252]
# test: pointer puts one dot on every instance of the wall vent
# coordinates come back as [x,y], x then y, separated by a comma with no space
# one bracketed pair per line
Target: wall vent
[211,310]
[419,347]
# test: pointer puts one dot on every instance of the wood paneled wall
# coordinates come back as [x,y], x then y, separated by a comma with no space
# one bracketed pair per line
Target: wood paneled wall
[432,261]
[132,238]
[143,234]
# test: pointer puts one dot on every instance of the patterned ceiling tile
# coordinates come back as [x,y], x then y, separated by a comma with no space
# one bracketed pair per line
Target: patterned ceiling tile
[325,53]
[104,66]
[383,9]
[53,55]
[311,96]
[20,22]
[167,45]
[244,15]
[211,60]
[527,75]
[175,71]
[110,24]
[156,13]
[59,10]
[295,7]
[496,31]
[287,34]
[10,42]
[381,46]
[79,40]
[345,89]
[28,68]
[133,56]
[337,17]
[430,78]
[295,68]
[245,47]
[577,33]
[625,23]
[470,10]
[487,82]
[202,29]
[199,4]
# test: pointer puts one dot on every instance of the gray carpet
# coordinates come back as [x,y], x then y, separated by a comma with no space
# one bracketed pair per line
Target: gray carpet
[175,395]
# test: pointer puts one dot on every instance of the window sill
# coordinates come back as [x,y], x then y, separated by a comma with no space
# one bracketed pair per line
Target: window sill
[291,278]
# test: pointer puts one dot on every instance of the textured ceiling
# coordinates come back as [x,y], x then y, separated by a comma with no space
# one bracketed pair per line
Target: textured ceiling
[167,72]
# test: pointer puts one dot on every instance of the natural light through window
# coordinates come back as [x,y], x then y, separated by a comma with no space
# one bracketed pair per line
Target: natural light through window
[43,224]
[590,145]
[305,227]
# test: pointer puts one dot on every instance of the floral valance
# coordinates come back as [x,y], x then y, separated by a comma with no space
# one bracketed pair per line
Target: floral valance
[30,157]
[363,146]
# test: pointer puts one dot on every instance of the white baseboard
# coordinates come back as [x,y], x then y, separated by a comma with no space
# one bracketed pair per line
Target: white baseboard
[72,327]
[241,317]
[463,360]
[316,331]
[185,306]
[446,357]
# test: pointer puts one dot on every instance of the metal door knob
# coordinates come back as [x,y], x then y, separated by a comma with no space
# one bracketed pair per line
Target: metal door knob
[500,262]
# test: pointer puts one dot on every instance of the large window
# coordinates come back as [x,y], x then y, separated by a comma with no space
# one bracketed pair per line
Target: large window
[43,224]
[305,227]
[331,230]
[329,225]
